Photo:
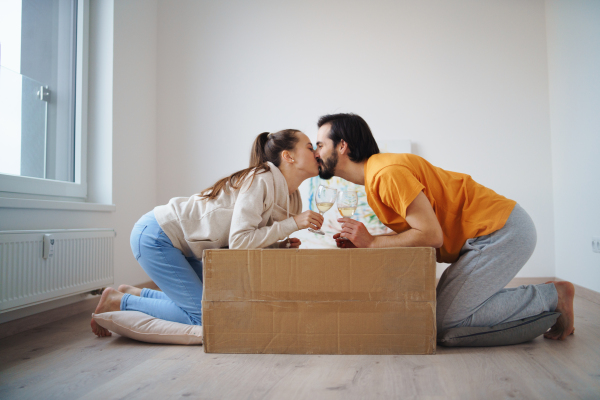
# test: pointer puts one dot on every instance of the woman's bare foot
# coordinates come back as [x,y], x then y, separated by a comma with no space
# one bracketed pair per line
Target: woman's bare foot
[564,325]
[130,289]
[110,301]
[98,330]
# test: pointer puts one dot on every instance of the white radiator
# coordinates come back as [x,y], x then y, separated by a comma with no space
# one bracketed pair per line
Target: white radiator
[82,261]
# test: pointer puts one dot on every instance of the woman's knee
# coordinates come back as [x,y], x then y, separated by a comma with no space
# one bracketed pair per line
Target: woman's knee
[196,319]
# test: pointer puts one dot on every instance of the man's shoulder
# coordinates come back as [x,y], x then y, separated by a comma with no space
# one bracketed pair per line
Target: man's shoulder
[377,163]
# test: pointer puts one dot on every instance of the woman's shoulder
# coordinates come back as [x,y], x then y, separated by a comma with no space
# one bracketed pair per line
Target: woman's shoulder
[259,183]
[264,174]
[260,176]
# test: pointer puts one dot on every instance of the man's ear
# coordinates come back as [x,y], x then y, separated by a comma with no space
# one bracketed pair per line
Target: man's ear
[343,147]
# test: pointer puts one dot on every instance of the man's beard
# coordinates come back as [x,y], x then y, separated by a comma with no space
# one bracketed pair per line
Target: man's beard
[327,167]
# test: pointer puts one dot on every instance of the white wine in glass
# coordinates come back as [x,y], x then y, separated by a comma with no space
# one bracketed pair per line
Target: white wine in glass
[347,211]
[347,201]
[325,200]
[324,207]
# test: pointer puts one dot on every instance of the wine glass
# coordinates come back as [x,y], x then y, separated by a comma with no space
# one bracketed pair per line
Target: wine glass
[325,200]
[347,201]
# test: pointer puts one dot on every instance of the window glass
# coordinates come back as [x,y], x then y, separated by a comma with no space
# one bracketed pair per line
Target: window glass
[37,88]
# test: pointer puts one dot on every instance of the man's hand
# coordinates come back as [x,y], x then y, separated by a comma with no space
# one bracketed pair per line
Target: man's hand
[425,230]
[343,242]
[356,232]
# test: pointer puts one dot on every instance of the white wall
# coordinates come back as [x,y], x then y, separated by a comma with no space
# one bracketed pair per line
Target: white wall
[122,110]
[466,81]
[574,67]
[134,124]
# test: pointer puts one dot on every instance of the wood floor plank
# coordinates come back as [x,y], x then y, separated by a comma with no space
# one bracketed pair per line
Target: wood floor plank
[64,360]
[151,378]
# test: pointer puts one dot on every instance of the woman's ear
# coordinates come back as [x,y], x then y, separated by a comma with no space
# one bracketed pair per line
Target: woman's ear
[286,156]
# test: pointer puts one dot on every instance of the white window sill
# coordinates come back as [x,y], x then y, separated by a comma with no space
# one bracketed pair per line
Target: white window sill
[6,202]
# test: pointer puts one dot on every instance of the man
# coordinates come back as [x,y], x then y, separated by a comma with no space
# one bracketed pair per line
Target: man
[486,237]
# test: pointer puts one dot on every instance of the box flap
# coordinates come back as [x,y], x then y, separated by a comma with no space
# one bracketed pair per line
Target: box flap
[312,327]
[390,274]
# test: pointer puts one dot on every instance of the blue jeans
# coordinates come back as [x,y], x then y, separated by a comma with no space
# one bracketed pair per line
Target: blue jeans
[179,278]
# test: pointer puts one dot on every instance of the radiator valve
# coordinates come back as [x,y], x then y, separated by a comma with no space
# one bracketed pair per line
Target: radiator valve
[97,292]
[48,246]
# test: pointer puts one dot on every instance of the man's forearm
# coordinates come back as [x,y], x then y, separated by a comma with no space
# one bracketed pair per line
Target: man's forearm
[408,238]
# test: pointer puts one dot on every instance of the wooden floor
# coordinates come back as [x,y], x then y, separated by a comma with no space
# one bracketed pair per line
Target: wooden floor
[64,360]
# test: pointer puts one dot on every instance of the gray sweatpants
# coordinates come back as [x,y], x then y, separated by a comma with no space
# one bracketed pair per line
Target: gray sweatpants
[471,290]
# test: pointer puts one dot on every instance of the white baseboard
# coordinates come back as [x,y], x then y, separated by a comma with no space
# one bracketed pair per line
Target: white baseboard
[37,317]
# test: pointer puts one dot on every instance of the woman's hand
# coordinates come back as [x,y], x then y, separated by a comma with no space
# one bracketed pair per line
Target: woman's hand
[309,219]
[293,242]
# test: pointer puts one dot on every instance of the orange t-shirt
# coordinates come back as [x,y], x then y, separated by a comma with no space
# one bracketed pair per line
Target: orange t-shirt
[464,208]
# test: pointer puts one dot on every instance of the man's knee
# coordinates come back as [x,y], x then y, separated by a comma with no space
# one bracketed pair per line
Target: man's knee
[445,322]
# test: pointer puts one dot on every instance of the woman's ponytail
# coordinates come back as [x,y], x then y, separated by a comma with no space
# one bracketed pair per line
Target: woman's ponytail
[258,156]
[266,147]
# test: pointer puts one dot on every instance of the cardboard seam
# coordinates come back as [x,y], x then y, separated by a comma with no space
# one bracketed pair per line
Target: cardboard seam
[242,300]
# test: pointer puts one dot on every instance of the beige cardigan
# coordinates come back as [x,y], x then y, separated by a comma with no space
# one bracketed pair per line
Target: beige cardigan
[257,215]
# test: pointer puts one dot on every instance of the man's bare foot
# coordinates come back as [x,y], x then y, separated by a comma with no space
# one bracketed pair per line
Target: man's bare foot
[130,289]
[110,301]
[564,325]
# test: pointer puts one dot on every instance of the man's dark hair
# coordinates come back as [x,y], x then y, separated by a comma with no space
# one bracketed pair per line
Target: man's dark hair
[355,131]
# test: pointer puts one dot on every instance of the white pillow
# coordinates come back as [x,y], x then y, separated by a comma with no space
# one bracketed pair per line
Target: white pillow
[145,328]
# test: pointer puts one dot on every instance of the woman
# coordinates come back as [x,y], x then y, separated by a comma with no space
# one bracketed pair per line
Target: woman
[254,208]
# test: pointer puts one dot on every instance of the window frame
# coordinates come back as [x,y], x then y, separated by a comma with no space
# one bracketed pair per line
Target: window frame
[75,191]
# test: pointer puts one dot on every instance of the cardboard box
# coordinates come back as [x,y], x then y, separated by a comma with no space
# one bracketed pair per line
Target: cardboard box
[338,301]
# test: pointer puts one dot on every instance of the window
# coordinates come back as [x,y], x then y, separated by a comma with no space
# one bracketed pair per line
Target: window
[43,68]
